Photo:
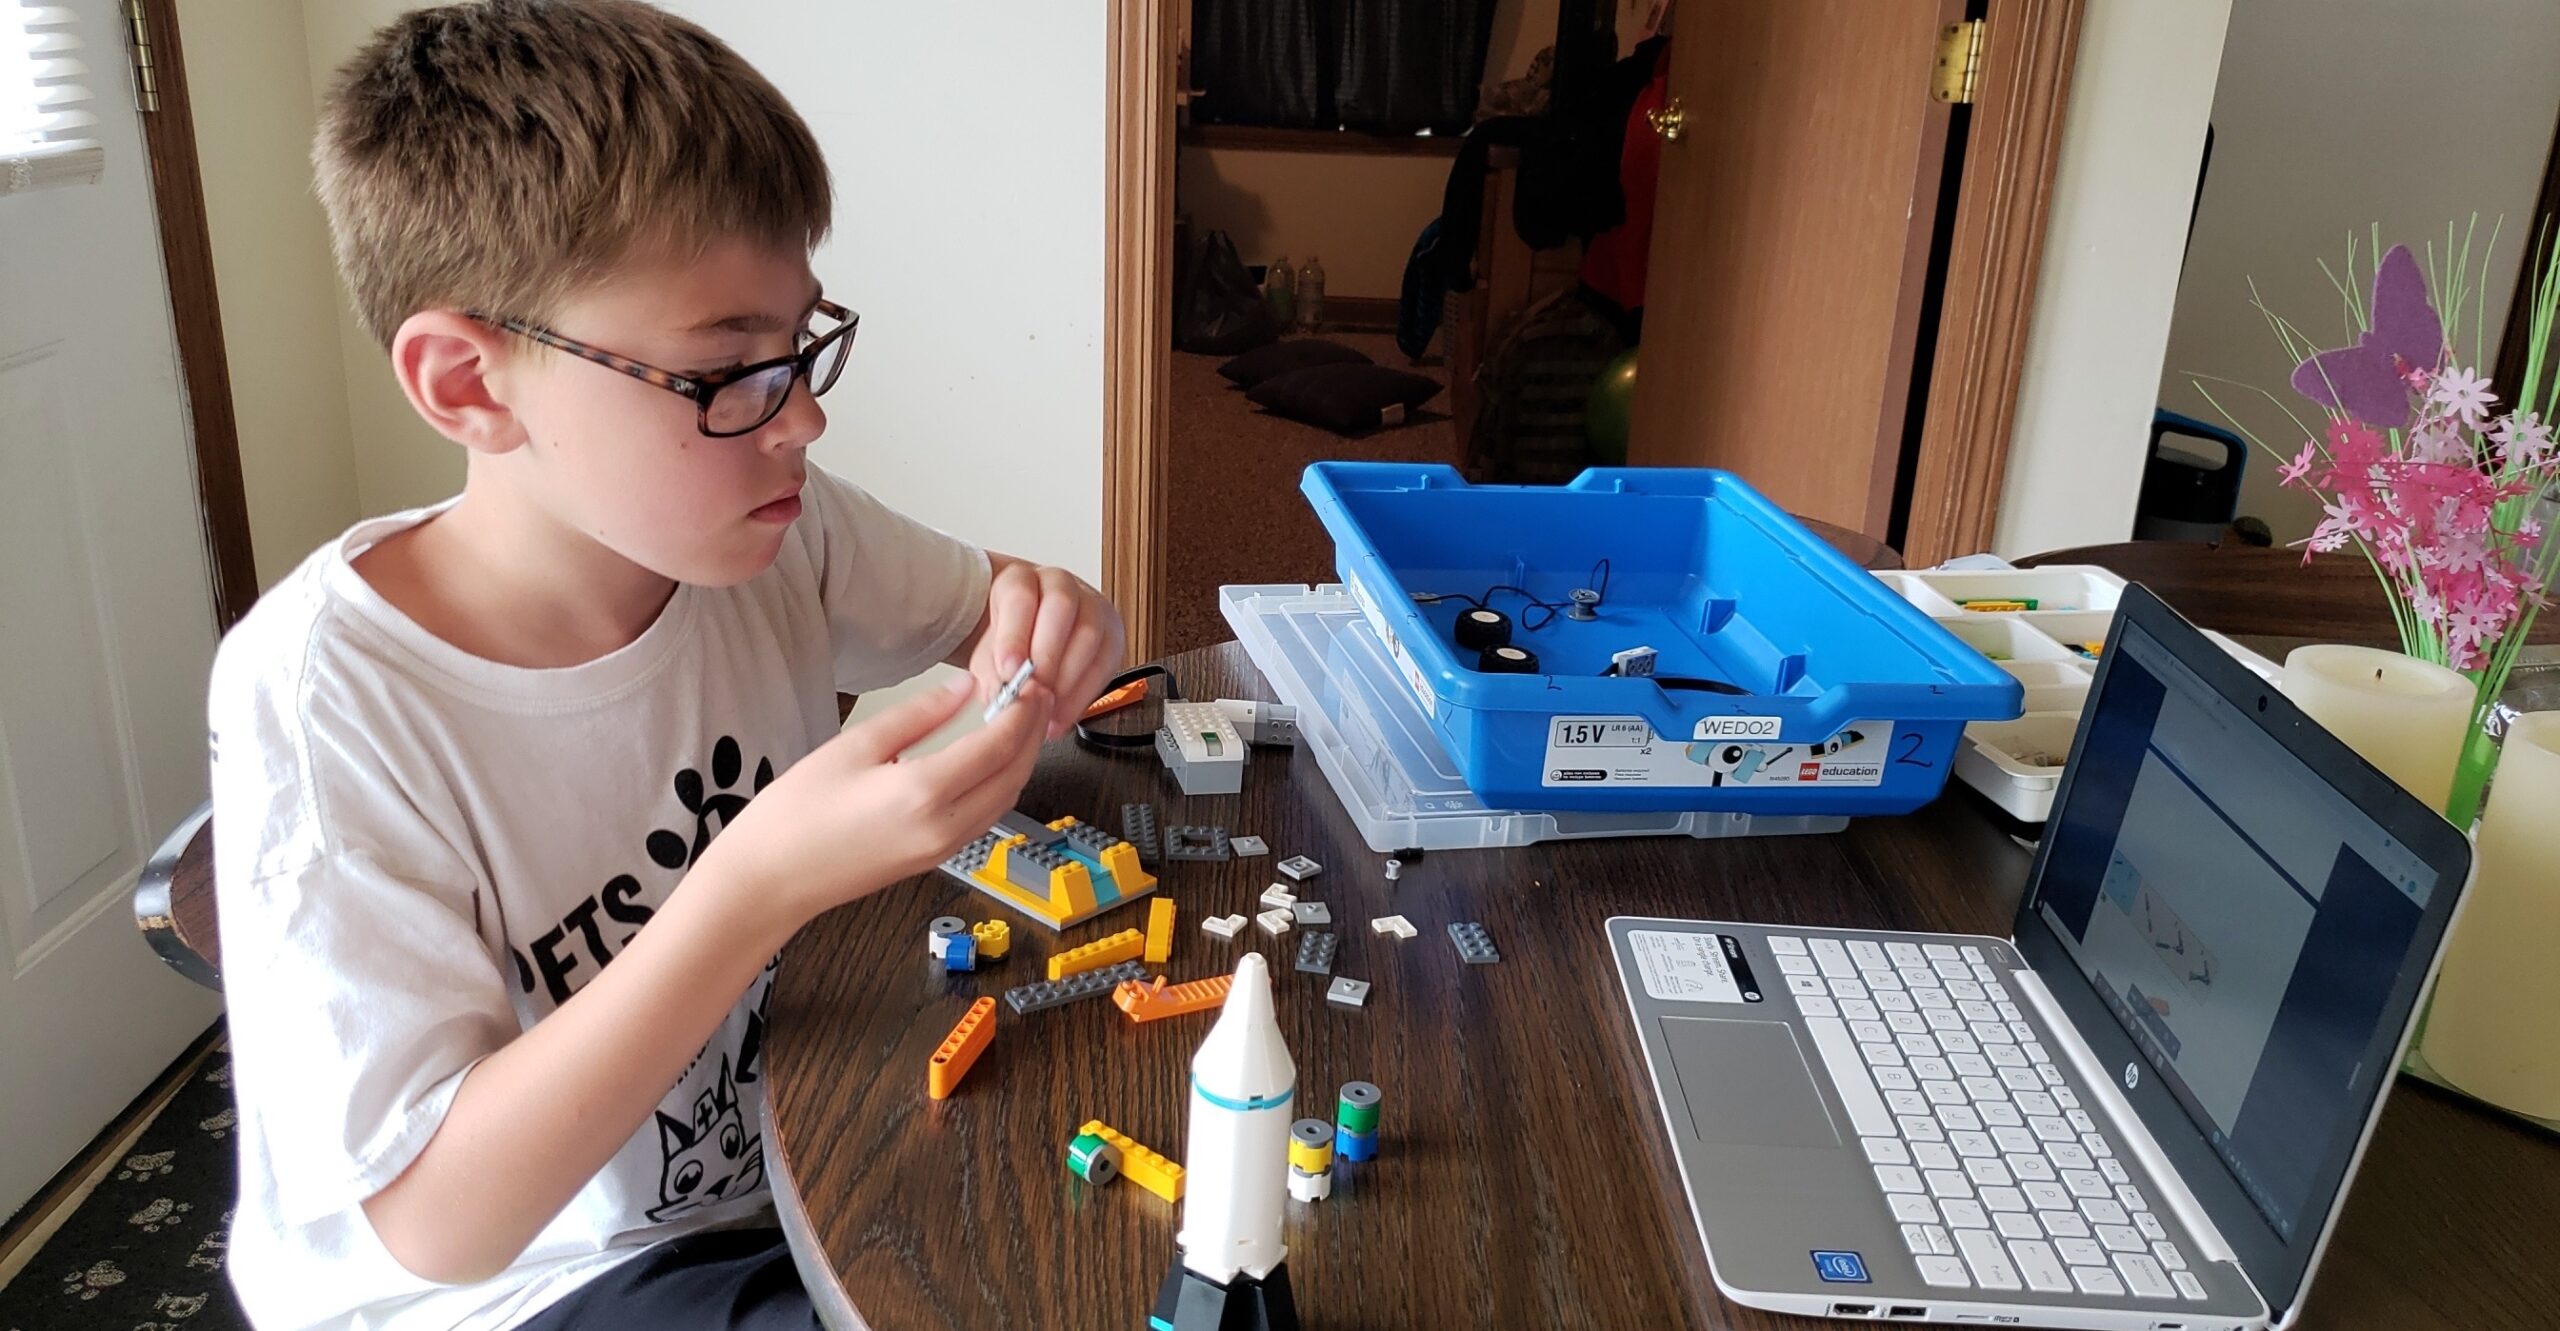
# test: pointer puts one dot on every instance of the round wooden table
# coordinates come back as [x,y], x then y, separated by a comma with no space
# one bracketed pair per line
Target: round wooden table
[1524,1179]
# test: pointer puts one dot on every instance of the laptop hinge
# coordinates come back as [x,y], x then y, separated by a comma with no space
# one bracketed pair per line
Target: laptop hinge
[2116,1109]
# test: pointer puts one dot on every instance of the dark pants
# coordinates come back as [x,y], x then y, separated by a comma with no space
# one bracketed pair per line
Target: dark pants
[737,1279]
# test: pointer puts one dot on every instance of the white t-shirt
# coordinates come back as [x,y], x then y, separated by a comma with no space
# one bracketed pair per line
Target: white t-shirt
[420,853]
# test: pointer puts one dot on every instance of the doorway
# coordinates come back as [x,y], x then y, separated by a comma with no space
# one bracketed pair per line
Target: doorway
[1960,299]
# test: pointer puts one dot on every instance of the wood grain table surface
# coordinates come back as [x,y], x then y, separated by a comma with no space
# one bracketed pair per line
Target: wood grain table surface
[1524,1179]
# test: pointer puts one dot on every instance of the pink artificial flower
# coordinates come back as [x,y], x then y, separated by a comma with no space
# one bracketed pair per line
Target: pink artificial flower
[2464,394]
[2292,473]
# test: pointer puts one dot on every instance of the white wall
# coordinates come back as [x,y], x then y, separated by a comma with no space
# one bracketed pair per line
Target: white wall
[2303,156]
[399,462]
[967,150]
[2132,137]
[249,87]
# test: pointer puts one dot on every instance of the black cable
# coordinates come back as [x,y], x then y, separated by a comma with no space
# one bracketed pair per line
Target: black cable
[1109,741]
[1599,583]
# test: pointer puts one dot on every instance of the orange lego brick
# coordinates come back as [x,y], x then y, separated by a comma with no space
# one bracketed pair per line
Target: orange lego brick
[960,1049]
[1139,1165]
[1159,931]
[1146,1002]
[1127,695]
[1122,946]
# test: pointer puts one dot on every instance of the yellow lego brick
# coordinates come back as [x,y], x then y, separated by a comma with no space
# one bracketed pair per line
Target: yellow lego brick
[1122,946]
[995,938]
[1159,930]
[1139,1165]
[1127,874]
[1071,889]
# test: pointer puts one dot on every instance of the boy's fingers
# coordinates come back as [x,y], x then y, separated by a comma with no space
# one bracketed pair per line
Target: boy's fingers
[1013,606]
[898,729]
[966,761]
[1055,624]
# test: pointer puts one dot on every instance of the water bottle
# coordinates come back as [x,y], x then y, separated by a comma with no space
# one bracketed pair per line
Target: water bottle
[1280,293]
[1311,294]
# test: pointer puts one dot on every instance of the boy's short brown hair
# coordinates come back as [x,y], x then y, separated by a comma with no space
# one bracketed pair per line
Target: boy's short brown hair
[502,156]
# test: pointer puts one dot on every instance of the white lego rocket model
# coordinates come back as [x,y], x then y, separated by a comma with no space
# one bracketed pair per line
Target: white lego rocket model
[1231,1274]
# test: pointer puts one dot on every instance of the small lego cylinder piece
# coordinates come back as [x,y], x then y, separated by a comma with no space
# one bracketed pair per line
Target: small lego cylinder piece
[1357,1107]
[1355,1146]
[995,938]
[1310,1186]
[1311,1145]
[1092,1159]
[937,935]
[1394,869]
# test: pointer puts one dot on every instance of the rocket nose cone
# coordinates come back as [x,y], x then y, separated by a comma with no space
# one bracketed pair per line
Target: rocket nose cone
[1244,1054]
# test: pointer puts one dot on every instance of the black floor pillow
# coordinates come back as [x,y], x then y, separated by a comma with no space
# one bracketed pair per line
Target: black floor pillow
[1346,399]
[1253,367]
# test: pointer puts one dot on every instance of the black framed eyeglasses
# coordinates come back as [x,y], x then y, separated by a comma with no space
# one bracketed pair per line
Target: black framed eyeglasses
[727,403]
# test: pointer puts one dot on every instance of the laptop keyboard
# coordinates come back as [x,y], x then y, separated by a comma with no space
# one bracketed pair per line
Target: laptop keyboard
[1998,1176]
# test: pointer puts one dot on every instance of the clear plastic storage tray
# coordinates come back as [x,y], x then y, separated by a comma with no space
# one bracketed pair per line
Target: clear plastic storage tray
[1371,740]
[2051,648]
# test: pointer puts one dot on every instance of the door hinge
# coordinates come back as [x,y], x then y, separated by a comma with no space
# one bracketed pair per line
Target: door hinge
[146,76]
[1959,62]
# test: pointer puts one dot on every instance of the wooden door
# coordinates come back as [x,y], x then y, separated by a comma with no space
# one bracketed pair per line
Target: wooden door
[106,619]
[1791,240]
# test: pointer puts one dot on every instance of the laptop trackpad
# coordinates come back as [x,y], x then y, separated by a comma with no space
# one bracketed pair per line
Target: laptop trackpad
[1747,1083]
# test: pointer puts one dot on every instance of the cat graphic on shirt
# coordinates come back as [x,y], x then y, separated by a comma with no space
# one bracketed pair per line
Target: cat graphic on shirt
[710,1159]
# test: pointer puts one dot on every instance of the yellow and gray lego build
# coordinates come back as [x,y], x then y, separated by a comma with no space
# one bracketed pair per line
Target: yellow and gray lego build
[1060,874]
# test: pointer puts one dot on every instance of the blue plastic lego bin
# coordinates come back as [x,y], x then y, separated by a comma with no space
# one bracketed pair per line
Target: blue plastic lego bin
[1845,699]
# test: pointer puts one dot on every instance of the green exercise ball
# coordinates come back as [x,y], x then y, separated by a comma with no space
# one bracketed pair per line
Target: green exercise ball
[1606,413]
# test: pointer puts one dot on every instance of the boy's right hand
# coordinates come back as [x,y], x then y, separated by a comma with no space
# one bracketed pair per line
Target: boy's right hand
[853,816]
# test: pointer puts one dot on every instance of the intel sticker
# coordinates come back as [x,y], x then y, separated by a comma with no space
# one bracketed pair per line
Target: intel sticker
[1840,1268]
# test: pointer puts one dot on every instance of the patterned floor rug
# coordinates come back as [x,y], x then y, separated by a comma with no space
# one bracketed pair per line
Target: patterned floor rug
[144,1251]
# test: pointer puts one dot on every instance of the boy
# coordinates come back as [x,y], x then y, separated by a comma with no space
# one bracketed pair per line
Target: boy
[466,756]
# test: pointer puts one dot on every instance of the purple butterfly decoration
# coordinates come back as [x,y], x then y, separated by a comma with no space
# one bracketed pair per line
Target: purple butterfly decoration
[2370,380]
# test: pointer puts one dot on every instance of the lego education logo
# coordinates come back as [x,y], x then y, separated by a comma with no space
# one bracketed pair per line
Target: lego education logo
[1840,1268]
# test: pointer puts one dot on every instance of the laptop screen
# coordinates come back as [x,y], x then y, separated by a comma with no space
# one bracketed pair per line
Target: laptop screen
[2252,929]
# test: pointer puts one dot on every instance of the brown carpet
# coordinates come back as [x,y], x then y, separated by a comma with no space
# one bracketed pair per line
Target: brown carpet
[1235,515]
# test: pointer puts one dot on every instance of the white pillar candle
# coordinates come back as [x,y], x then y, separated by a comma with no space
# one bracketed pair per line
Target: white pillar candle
[2491,1030]
[2402,714]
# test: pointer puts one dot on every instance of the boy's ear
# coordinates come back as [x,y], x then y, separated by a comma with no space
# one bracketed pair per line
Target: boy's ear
[447,364]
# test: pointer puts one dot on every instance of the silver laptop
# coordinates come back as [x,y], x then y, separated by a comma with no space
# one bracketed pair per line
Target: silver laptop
[2142,1111]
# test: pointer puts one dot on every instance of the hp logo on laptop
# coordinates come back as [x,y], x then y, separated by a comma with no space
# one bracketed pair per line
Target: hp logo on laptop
[2132,1074]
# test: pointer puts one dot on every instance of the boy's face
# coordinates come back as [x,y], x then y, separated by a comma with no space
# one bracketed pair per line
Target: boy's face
[624,461]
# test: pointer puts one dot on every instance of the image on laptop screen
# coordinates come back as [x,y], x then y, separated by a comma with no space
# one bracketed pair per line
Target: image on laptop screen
[2245,922]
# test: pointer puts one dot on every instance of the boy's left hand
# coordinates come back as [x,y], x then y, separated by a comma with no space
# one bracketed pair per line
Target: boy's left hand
[1070,632]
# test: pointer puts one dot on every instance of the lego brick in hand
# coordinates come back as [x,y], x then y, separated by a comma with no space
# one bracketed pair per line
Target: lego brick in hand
[1125,945]
[1315,952]
[960,1049]
[1299,868]
[1029,998]
[1159,931]
[1475,946]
